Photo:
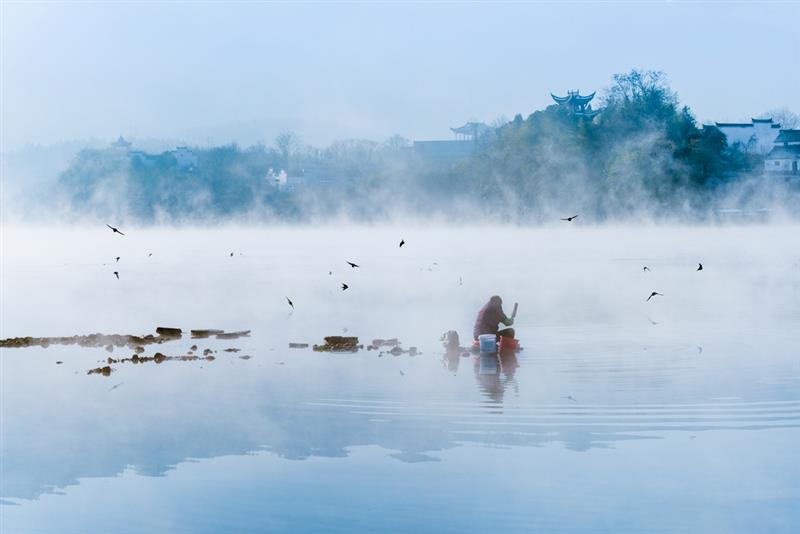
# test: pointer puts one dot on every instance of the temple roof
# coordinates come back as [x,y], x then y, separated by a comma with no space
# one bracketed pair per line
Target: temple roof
[472,128]
[788,136]
[573,96]
[121,142]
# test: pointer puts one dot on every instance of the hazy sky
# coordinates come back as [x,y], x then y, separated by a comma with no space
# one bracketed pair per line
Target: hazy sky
[212,72]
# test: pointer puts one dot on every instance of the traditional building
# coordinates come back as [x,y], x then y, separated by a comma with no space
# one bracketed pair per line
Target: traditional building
[448,152]
[785,155]
[757,136]
[472,131]
[578,104]
[121,143]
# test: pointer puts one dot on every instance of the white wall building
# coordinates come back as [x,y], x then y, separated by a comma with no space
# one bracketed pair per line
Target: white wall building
[757,136]
[785,156]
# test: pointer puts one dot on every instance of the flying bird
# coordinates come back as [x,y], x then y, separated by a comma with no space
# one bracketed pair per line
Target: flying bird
[231,254]
[344,287]
[570,397]
[460,281]
[149,254]
[290,302]
[645,268]
[402,242]
[653,294]
[699,266]
[569,219]
[402,373]
[117,258]
[116,274]
[652,322]
[351,264]
[115,230]
[116,386]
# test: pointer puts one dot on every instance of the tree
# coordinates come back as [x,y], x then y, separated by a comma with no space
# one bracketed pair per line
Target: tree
[787,118]
[287,143]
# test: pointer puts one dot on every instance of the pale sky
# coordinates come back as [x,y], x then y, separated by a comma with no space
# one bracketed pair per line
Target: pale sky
[214,72]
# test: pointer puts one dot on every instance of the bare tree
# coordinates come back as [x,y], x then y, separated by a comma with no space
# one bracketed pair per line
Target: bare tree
[287,143]
[787,118]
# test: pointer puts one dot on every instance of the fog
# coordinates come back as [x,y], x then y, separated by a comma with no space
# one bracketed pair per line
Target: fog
[682,388]
[655,264]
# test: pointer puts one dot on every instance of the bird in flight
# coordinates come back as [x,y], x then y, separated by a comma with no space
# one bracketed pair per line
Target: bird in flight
[117,258]
[344,287]
[351,264]
[290,302]
[116,274]
[115,230]
[653,294]
[652,322]
[149,254]
[699,266]
[460,281]
[402,373]
[569,219]
[645,268]
[570,397]
[116,386]
[402,242]
[231,254]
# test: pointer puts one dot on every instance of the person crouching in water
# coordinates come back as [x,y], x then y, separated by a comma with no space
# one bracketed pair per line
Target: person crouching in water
[489,317]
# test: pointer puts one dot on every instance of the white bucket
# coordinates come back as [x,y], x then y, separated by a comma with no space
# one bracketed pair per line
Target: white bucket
[488,342]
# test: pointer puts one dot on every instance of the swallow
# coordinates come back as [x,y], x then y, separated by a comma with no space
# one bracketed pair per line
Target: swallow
[117,258]
[653,294]
[351,264]
[115,230]
[344,287]
[231,254]
[290,302]
[402,242]
[116,274]
[645,268]
[699,266]
[569,219]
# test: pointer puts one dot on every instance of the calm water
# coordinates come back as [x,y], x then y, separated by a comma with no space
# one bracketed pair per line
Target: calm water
[681,414]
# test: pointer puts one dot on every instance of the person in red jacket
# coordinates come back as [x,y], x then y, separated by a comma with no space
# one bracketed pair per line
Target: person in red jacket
[489,317]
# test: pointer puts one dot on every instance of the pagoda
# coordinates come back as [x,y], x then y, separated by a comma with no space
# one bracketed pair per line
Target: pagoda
[577,103]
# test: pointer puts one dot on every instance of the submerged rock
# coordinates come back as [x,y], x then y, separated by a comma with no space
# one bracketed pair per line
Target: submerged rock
[105,371]
[298,345]
[339,344]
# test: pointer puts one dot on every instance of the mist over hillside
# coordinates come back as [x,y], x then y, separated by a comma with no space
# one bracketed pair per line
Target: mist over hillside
[641,154]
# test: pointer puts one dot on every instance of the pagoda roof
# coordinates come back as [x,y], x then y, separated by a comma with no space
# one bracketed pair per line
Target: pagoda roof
[121,142]
[472,128]
[788,136]
[785,152]
[573,96]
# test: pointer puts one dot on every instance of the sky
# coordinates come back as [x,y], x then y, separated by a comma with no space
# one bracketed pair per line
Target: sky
[207,72]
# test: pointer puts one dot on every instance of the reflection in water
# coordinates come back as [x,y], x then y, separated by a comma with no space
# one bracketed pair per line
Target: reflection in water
[495,372]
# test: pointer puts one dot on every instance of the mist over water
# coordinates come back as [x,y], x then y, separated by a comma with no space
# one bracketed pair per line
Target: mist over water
[621,410]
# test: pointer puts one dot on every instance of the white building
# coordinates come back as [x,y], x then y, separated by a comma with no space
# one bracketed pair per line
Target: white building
[758,135]
[785,155]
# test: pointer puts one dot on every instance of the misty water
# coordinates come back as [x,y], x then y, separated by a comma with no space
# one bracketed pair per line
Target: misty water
[681,414]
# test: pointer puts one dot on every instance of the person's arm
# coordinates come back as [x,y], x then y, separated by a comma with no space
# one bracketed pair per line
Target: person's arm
[508,321]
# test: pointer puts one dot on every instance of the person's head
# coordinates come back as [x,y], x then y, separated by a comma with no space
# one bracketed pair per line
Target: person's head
[497,301]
